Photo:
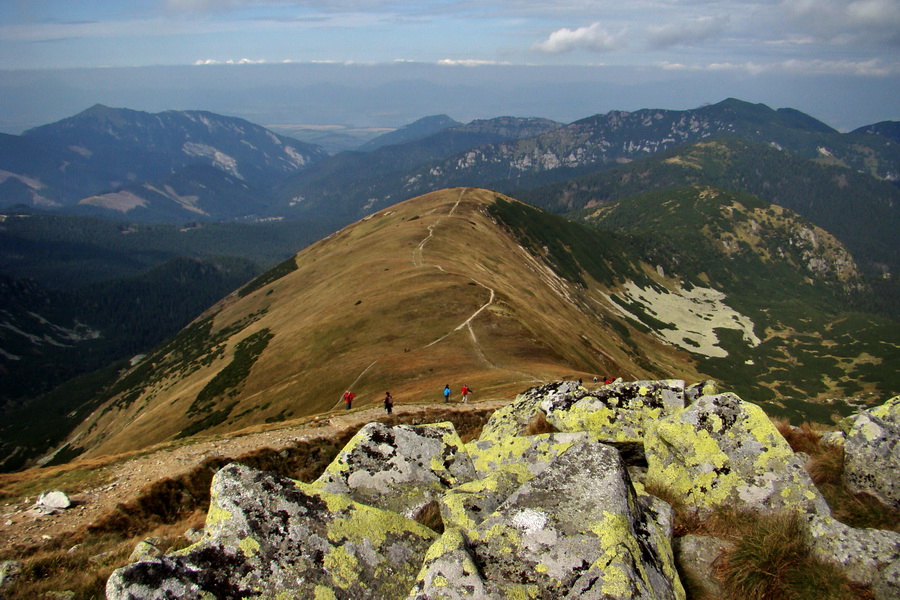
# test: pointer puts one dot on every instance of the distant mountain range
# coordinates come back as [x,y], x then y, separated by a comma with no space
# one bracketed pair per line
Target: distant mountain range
[147,166]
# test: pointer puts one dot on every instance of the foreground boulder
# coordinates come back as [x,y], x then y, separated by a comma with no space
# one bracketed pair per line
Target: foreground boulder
[872,453]
[722,451]
[271,537]
[400,468]
[576,530]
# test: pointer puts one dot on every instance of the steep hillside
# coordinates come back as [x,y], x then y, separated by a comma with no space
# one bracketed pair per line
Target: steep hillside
[790,281]
[861,211]
[433,291]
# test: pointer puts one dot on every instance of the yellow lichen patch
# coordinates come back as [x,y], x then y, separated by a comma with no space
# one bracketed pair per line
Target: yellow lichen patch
[321,593]
[216,515]
[342,566]
[520,591]
[249,546]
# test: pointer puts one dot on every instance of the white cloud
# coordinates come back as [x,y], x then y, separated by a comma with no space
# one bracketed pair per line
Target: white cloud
[592,37]
[873,68]
[686,33]
[451,62]
[846,22]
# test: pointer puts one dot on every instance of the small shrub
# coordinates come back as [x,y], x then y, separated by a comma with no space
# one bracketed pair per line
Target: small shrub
[430,516]
[539,424]
[800,439]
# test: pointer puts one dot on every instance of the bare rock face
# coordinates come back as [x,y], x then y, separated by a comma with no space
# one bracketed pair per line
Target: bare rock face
[400,468]
[872,453]
[271,537]
[722,451]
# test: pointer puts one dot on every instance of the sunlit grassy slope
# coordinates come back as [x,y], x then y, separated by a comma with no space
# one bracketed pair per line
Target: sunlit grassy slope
[430,292]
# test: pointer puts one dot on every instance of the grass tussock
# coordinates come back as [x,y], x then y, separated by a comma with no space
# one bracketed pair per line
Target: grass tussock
[430,516]
[801,439]
[538,425]
[772,560]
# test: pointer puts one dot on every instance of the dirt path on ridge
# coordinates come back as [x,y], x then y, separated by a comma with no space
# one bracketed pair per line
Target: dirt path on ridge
[127,477]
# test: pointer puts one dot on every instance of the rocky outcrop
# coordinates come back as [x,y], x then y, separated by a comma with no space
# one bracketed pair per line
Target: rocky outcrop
[722,451]
[553,515]
[272,537]
[400,468]
[872,451]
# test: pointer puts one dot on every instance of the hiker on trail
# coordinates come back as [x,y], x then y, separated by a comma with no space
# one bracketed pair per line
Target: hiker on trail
[447,393]
[466,390]
[388,403]
[348,399]
[608,380]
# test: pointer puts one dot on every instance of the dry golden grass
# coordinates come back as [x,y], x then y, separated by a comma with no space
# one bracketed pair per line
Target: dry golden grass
[381,305]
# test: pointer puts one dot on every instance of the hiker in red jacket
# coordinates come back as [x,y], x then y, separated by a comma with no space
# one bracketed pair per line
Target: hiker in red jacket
[466,390]
[348,399]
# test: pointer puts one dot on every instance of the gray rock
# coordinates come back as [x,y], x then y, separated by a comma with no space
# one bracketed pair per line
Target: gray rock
[864,553]
[270,537]
[833,438]
[707,387]
[449,572]
[9,571]
[577,530]
[872,453]
[510,420]
[52,501]
[616,412]
[696,556]
[888,585]
[721,451]
[400,468]
[150,547]
[194,535]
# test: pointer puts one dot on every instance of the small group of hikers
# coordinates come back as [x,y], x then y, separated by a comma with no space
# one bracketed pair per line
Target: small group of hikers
[388,401]
[464,393]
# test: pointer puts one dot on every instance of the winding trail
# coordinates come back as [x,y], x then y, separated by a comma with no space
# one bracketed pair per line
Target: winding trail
[418,260]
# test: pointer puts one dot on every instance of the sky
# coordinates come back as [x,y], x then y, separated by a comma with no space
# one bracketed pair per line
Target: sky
[801,52]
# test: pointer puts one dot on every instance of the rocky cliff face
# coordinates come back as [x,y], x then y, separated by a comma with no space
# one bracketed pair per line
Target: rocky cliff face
[551,515]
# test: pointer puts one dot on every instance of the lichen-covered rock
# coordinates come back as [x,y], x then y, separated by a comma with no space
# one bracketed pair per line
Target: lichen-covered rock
[577,530]
[449,572]
[865,554]
[150,547]
[888,585]
[707,387]
[502,466]
[270,537]
[9,571]
[872,453]
[615,412]
[510,420]
[400,468]
[696,556]
[722,451]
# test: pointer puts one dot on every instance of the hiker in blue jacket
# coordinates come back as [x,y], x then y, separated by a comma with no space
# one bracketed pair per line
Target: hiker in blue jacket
[447,393]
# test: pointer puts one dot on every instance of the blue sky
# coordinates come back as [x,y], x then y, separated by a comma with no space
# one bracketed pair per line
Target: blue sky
[767,41]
